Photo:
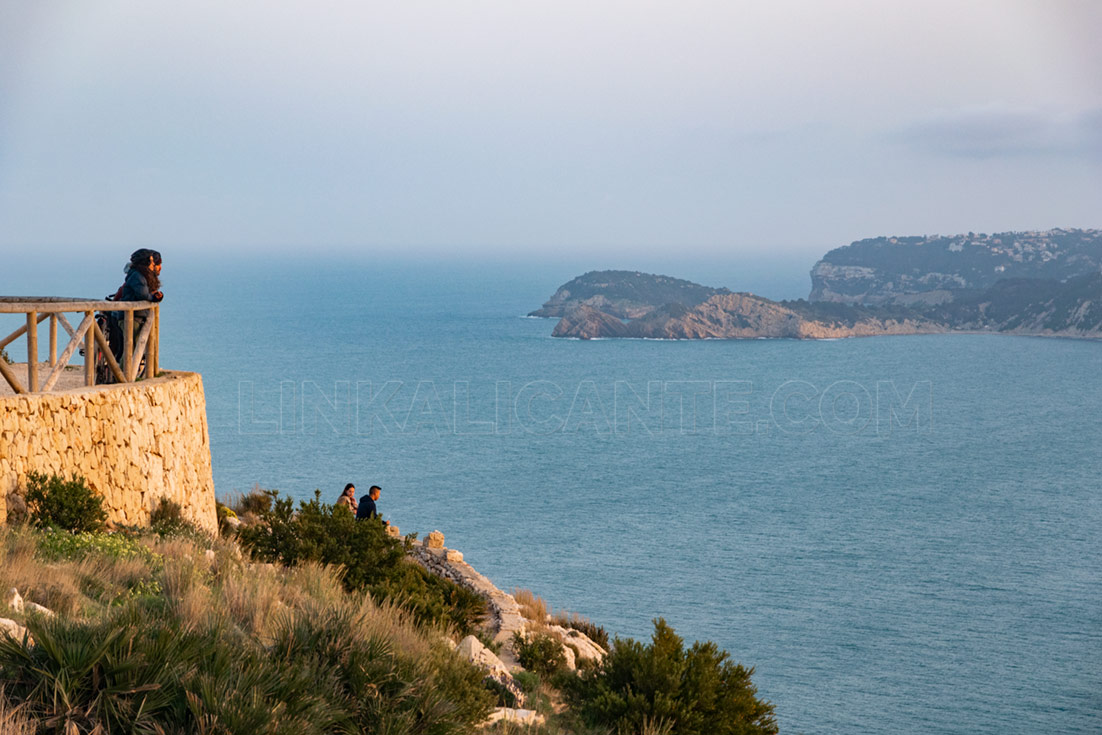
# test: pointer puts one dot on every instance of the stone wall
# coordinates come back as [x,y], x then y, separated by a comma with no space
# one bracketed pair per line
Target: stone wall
[135,444]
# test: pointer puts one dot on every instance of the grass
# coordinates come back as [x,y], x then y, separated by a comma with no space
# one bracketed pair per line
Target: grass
[532,607]
[155,634]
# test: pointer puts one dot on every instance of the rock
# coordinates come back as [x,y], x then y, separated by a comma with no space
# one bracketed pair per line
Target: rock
[516,716]
[585,322]
[233,522]
[14,600]
[453,555]
[34,607]
[568,655]
[434,540]
[392,530]
[585,648]
[472,649]
[17,508]
[13,629]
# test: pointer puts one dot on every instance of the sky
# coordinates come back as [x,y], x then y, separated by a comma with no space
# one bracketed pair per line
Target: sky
[611,133]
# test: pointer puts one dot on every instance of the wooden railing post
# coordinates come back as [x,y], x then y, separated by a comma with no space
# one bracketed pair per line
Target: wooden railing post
[32,351]
[151,345]
[90,352]
[53,340]
[127,341]
[157,340]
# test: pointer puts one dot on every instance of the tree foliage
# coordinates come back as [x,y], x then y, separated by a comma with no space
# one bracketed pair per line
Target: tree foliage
[693,691]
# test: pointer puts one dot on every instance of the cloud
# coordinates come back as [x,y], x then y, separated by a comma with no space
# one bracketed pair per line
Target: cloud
[995,132]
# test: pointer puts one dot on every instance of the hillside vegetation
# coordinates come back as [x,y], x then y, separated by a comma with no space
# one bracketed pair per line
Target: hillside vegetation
[310,622]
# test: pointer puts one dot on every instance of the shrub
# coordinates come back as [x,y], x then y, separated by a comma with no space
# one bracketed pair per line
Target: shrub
[69,504]
[697,691]
[371,559]
[501,693]
[4,356]
[224,513]
[528,681]
[255,502]
[542,653]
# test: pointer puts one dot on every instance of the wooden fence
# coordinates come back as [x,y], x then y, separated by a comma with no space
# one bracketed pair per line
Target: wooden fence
[88,331]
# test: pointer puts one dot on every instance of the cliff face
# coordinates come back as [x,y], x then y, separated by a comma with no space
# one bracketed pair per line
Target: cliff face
[623,294]
[927,271]
[737,316]
[1030,306]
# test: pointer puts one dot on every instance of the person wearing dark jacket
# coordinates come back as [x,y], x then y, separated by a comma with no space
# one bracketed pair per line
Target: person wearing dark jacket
[143,283]
[367,507]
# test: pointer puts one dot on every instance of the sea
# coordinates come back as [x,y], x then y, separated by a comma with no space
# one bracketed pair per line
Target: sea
[899,534]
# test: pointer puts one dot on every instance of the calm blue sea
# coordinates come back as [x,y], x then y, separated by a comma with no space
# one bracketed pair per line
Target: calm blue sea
[901,535]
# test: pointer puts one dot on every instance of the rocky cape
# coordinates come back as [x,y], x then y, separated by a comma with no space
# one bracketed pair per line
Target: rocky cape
[1033,283]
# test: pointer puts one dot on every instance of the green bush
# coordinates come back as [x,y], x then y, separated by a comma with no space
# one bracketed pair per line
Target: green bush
[371,559]
[695,691]
[167,519]
[541,653]
[528,681]
[68,504]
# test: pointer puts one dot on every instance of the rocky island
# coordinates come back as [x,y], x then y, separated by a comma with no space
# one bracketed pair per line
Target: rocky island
[1029,283]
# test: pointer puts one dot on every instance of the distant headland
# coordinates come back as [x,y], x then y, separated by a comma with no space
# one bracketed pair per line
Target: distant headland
[1028,283]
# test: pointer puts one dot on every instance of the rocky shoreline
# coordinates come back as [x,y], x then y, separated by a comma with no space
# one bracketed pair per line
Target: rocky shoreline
[508,622]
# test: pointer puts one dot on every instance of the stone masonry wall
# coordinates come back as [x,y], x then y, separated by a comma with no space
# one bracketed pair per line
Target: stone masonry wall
[135,444]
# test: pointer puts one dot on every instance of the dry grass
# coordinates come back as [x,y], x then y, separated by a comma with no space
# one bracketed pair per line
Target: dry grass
[253,600]
[532,607]
[77,587]
[13,721]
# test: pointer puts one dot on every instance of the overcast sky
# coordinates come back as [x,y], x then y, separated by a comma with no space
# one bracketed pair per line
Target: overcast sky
[617,129]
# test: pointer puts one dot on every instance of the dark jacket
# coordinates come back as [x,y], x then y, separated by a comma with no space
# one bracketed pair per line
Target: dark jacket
[366,509]
[134,289]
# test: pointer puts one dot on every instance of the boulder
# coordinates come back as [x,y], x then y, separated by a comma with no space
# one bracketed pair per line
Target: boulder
[17,508]
[516,716]
[453,555]
[586,649]
[34,607]
[13,629]
[568,655]
[434,540]
[14,600]
[472,649]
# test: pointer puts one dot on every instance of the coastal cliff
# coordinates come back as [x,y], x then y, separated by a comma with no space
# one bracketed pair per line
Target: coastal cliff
[933,269]
[739,316]
[1034,283]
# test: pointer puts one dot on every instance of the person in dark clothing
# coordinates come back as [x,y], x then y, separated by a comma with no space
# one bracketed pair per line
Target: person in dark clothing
[143,277]
[367,507]
[143,283]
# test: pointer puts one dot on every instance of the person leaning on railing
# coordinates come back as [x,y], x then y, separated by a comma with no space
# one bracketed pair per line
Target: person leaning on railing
[143,283]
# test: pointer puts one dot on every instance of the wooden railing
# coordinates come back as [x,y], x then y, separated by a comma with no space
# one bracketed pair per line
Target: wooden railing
[38,309]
